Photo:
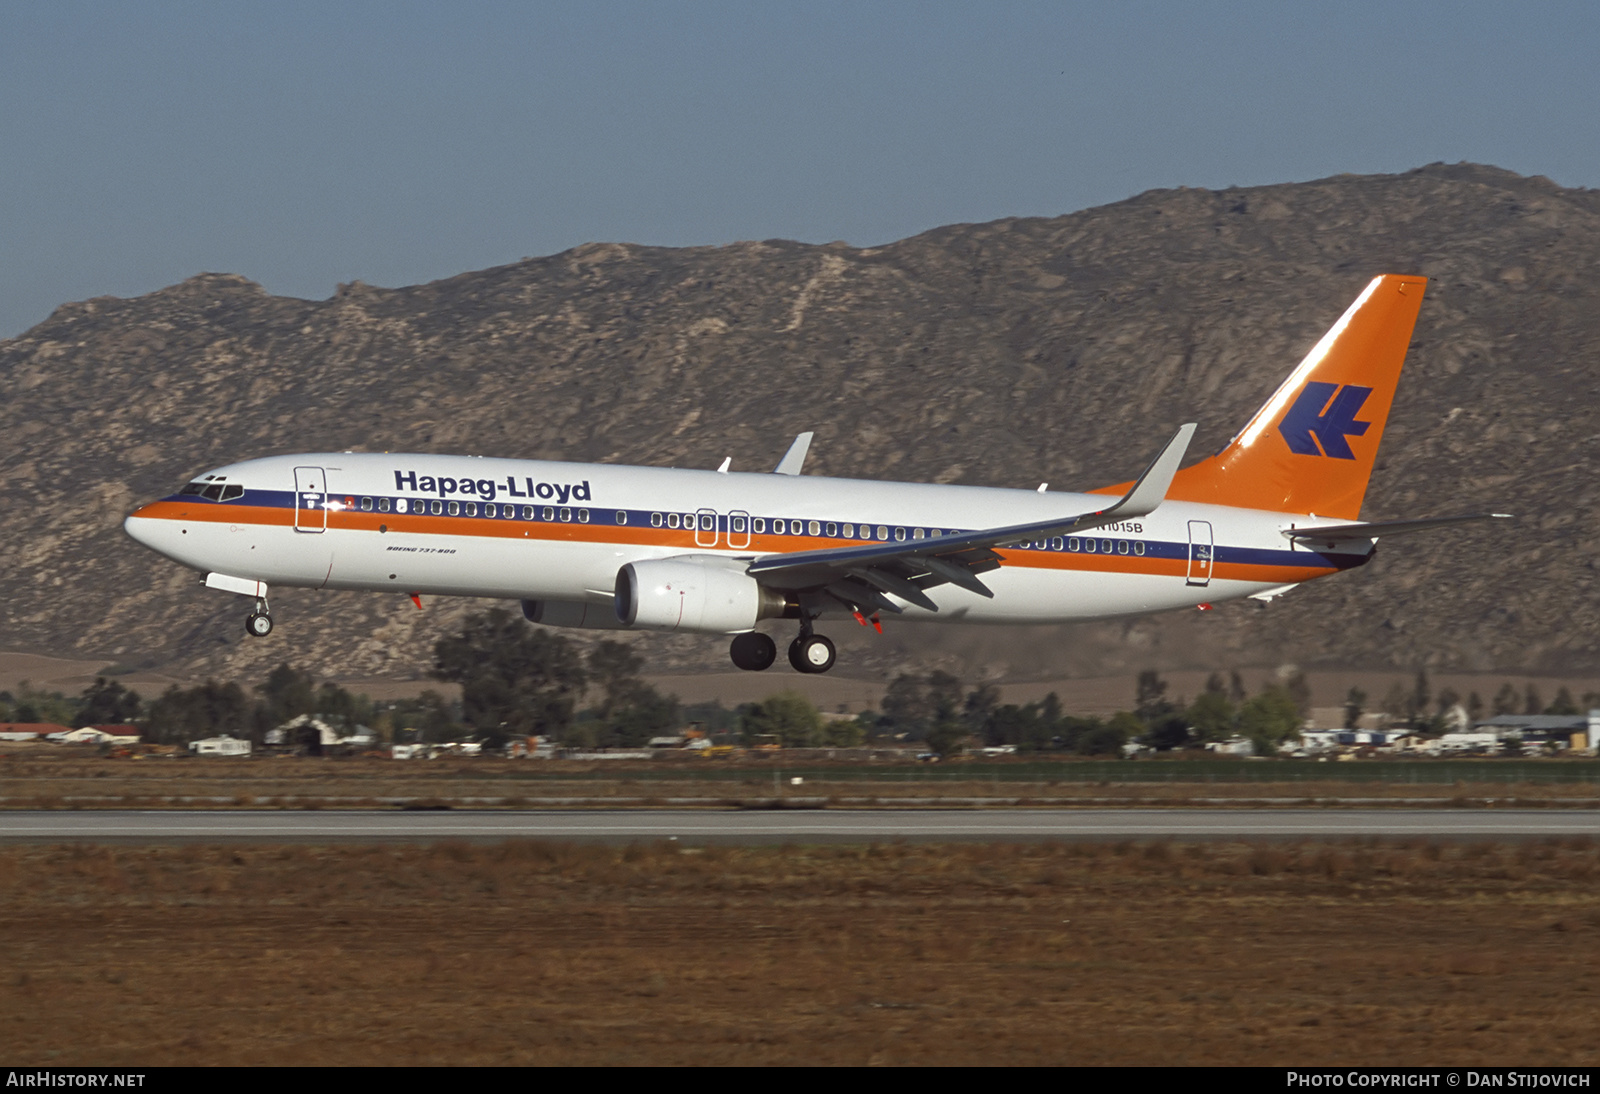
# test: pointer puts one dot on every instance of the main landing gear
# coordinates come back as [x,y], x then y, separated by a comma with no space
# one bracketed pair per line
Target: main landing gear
[753,651]
[812,653]
[258,624]
[808,653]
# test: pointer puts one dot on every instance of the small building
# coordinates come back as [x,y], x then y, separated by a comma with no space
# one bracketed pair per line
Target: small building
[220,746]
[1544,729]
[30,731]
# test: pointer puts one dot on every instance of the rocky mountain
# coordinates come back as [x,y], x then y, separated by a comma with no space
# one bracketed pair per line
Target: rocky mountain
[1009,353]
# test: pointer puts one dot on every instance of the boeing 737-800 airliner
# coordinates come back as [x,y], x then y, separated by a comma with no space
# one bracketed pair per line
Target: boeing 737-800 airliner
[716,552]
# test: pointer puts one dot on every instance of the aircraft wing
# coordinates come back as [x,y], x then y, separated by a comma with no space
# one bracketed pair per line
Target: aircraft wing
[859,576]
[1336,533]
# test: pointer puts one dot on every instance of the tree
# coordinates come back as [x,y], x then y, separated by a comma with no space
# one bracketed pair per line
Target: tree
[1505,700]
[1474,708]
[106,702]
[631,711]
[514,679]
[1212,716]
[1563,704]
[614,668]
[981,702]
[1417,701]
[1269,718]
[787,719]
[1107,739]
[1169,731]
[286,694]
[1299,689]
[426,719]
[1354,700]
[947,738]
[1150,696]
[210,710]
[1395,702]
[1531,702]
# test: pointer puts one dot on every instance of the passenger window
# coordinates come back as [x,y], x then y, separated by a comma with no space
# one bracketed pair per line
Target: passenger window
[366,505]
[383,505]
[707,522]
[673,520]
[1105,546]
[738,524]
[833,529]
[1072,543]
[438,507]
[1122,546]
[899,533]
[1088,546]
[583,516]
[815,527]
[400,506]
[566,515]
[916,533]
[1055,544]
[883,532]
[454,508]
[759,525]
[622,516]
[490,509]
[849,531]
[548,513]
[1138,546]
[527,512]
[655,520]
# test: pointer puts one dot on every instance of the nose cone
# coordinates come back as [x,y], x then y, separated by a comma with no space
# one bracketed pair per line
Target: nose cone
[156,533]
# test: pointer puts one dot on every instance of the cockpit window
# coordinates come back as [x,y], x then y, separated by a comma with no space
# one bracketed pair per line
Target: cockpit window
[215,490]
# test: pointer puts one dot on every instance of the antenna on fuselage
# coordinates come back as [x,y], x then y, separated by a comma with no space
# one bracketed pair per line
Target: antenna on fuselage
[794,459]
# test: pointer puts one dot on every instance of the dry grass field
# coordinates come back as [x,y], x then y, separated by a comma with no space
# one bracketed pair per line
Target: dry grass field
[1351,954]
[54,777]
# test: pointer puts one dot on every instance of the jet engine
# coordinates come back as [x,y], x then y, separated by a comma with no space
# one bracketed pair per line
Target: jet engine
[572,613]
[711,596]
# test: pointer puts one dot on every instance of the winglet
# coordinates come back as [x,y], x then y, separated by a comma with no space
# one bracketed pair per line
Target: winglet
[795,458]
[1151,489]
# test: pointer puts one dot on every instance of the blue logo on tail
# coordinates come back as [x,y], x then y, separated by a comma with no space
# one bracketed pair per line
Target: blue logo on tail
[1307,419]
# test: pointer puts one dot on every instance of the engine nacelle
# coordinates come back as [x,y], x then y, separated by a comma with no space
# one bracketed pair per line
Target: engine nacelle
[709,596]
[572,613]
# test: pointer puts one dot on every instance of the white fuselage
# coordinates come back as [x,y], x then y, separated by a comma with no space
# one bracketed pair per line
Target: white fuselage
[539,530]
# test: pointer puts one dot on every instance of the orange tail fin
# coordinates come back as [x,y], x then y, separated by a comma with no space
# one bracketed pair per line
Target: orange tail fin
[1311,448]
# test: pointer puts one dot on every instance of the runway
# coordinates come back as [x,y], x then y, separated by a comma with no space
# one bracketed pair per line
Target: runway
[754,827]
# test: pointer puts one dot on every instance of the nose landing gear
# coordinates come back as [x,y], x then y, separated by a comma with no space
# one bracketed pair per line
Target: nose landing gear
[258,624]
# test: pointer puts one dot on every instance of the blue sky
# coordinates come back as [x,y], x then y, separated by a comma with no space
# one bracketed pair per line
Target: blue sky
[306,144]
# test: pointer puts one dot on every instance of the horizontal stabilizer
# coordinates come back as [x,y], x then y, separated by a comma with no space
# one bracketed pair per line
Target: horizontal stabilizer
[1336,533]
